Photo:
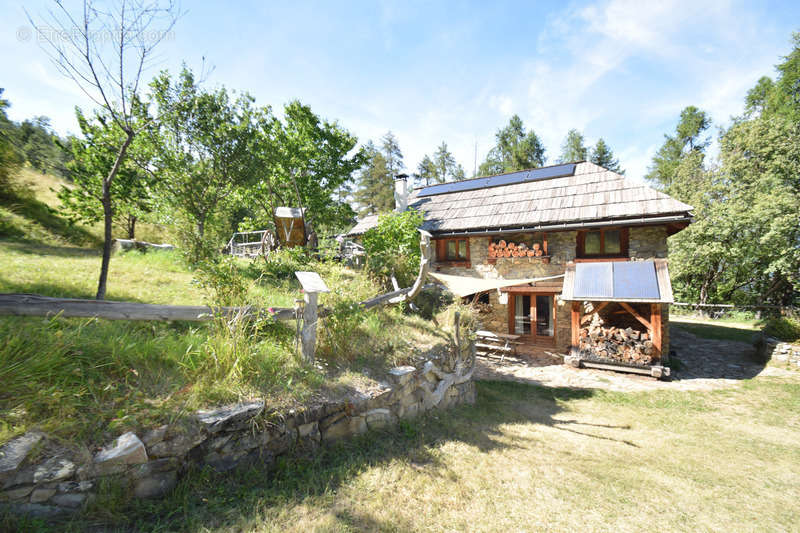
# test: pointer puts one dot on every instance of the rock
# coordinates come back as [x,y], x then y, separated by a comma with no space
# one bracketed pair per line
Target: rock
[35,510]
[154,436]
[54,469]
[330,420]
[14,452]
[345,427]
[155,485]
[75,486]
[155,466]
[307,430]
[400,375]
[127,450]
[281,442]
[379,418]
[229,418]
[70,500]
[178,445]
[42,495]
[381,398]
[15,494]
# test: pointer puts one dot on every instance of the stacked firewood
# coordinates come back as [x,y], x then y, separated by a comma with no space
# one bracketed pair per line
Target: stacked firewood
[625,345]
[510,249]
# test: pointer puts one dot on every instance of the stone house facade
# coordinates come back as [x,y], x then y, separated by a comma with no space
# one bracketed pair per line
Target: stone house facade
[550,244]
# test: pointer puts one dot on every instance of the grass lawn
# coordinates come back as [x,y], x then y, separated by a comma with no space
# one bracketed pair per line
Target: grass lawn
[524,458]
[88,380]
[719,329]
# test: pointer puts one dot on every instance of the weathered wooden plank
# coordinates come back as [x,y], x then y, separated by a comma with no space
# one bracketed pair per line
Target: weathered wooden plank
[636,315]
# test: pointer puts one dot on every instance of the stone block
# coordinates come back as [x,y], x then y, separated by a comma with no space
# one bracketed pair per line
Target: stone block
[308,430]
[155,485]
[42,495]
[400,375]
[409,411]
[69,500]
[15,494]
[345,427]
[15,451]
[178,444]
[127,450]
[154,436]
[54,469]
[35,510]
[75,486]
[379,418]
[229,418]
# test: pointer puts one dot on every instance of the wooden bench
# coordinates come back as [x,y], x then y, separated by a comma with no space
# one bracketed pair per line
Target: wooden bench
[489,343]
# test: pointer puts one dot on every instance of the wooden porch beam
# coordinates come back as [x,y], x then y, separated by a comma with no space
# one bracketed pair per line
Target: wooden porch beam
[655,319]
[635,314]
[597,309]
[576,323]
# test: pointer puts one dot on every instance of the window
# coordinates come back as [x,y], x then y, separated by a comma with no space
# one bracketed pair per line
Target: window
[603,243]
[455,250]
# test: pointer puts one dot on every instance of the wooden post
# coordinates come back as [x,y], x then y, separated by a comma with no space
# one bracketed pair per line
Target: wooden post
[576,324]
[655,323]
[308,336]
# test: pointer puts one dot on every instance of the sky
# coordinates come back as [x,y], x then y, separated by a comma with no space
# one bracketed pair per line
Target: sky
[453,71]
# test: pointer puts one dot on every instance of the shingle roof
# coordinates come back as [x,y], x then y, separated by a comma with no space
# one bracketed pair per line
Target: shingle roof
[591,194]
[361,227]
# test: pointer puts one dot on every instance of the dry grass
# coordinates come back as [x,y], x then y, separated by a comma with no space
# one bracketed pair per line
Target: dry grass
[527,458]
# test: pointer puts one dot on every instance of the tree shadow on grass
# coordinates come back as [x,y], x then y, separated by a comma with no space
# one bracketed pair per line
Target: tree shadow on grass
[205,500]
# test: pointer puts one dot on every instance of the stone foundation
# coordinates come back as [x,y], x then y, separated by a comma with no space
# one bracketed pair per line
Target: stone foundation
[41,478]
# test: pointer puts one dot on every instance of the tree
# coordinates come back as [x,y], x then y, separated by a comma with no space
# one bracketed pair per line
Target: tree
[441,168]
[573,148]
[9,158]
[603,156]
[203,149]
[42,148]
[515,150]
[308,166]
[105,51]
[92,154]
[375,186]
[688,137]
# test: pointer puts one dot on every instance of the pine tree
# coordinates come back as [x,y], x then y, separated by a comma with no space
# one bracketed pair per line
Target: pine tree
[441,168]
[375,187]
[603,156]
[688,138]
[515,150]
[573,148]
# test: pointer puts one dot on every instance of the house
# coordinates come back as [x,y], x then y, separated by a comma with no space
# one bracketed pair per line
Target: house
[572,257]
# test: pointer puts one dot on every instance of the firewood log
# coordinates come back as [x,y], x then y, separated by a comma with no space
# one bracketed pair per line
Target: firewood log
[538,253]
[502,244]
[531,253]
[536,246]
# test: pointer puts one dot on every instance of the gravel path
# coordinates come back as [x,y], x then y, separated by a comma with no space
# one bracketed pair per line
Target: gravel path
[707,364]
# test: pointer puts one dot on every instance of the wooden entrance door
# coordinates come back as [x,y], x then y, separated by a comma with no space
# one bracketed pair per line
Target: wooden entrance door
[532,315]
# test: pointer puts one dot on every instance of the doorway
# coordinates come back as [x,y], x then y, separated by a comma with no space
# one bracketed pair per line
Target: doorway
[531,315]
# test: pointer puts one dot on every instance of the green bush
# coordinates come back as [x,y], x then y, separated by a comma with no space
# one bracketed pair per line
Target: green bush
[281,264]
[393,247]
[785,328]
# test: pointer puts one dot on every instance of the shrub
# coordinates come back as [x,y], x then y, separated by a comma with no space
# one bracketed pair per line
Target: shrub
[393,247]
[785,328]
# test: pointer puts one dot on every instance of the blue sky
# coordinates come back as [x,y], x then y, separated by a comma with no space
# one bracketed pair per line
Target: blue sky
[456,71]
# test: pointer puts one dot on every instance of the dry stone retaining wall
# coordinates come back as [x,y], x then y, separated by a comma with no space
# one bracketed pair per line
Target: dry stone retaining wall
[41,478]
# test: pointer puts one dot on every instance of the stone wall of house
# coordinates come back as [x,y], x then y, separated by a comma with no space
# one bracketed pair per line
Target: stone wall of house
[39,476]
[649,242]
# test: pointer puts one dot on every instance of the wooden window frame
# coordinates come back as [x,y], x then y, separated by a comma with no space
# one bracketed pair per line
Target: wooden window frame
[624,237]
[441,252]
